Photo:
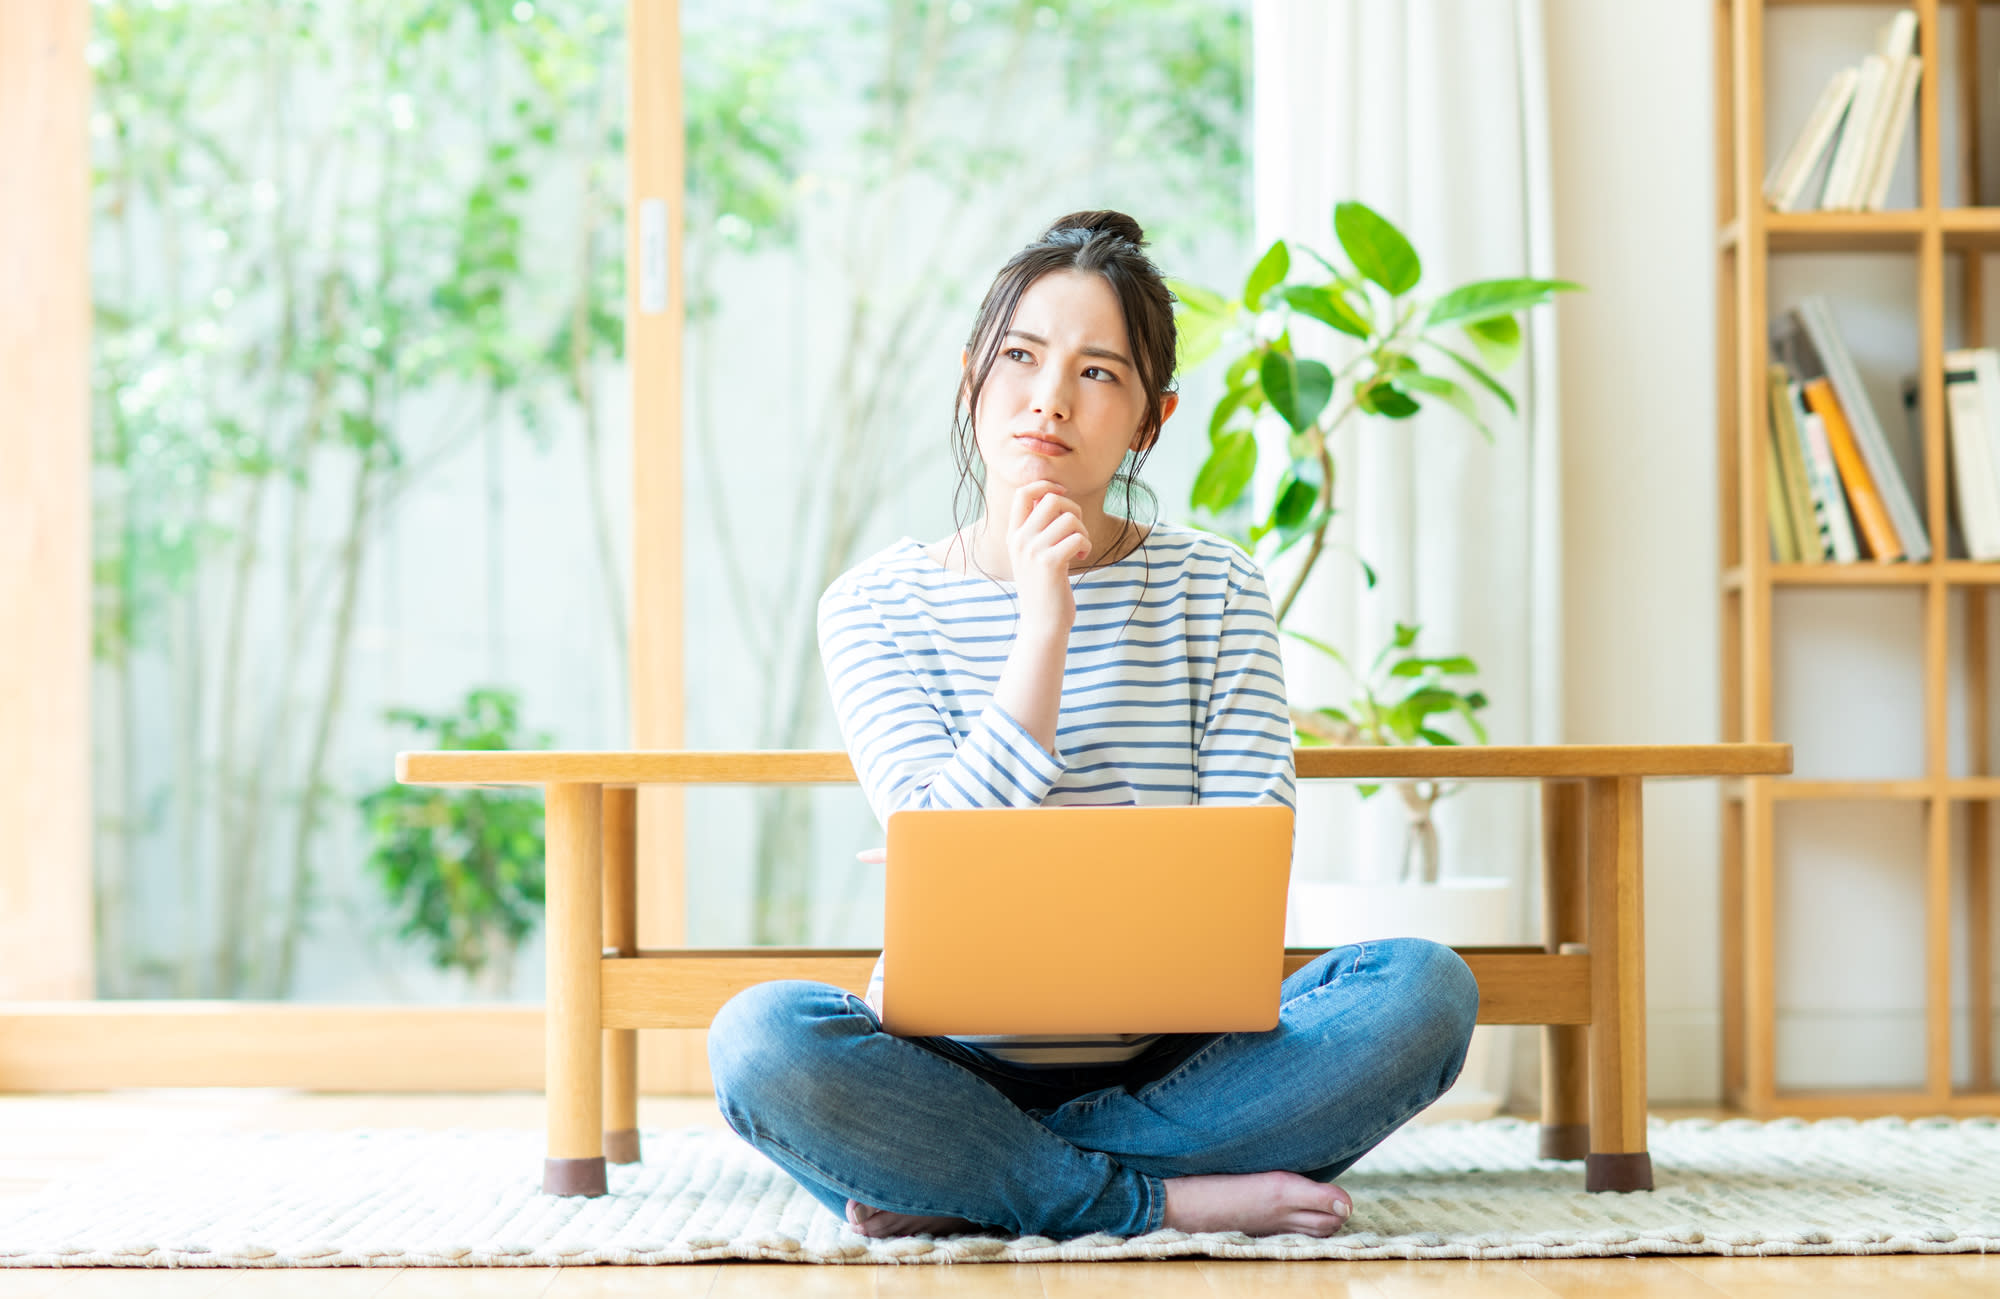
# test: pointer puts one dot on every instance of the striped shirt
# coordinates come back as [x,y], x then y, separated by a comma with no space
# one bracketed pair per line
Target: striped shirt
[1173,693]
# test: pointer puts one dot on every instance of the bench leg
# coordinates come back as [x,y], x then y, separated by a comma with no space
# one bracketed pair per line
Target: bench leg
[1565,1047]
[575,1063]
[621,934]
[1618,1160]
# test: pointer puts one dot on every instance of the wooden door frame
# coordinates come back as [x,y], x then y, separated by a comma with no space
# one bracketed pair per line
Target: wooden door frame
[52,1035]
[45,894]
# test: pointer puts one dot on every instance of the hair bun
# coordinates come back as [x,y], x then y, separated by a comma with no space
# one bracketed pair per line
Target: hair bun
[1099,222]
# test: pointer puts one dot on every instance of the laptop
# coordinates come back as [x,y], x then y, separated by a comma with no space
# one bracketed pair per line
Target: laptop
[1051,920]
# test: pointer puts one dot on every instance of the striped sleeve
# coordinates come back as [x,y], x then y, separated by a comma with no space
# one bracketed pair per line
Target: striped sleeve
[1245,754]
[903,747]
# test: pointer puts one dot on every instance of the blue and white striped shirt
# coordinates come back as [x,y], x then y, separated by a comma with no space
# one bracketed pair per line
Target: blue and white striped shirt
[1173,693]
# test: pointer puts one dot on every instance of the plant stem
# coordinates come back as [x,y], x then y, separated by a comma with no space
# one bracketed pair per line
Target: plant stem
[1326,513]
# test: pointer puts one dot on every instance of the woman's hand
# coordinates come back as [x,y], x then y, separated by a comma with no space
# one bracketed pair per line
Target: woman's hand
[1045,535]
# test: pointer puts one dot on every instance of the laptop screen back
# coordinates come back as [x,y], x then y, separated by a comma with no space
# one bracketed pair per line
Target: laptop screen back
[1085,920]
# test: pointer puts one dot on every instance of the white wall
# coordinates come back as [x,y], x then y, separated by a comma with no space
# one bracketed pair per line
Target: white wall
[1631,120]
[1632,108]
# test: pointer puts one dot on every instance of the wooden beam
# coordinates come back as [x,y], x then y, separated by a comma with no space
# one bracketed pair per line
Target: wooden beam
[45,848]
[685,989]
[809,766]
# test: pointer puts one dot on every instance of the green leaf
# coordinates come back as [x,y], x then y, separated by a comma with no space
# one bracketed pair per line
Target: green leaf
[1197,299]
[1484,299]
[1450,393]
[1498,340]
[1294,503]
[1381,397]
[1231,463]
[1270,270]
[1406,635]
[1435,737]
[1368,791]
[1298,390]
[1242,371]
[1233,400]
[1197,334]
[1326,303]
[1377,249]
[1481,377]
[1293,536]
[1318,644]
[1456,665]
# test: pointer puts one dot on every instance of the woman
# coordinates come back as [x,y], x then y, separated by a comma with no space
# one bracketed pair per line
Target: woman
[1048,653]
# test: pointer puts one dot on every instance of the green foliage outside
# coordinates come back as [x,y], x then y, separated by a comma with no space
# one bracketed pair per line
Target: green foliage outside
[463,868]
[335,247]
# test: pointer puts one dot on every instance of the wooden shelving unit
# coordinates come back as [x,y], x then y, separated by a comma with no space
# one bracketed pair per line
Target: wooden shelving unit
[1747,235]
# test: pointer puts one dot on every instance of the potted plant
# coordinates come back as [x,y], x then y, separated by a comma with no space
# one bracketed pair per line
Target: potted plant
[1405,698]
[1405,352]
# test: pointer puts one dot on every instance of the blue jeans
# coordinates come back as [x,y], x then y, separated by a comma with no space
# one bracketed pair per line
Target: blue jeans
[1367,1036]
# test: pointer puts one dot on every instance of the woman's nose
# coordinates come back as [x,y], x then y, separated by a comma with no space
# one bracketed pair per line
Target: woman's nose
[1051,400]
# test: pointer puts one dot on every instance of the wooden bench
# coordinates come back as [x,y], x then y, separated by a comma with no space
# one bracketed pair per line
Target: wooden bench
[1585,983]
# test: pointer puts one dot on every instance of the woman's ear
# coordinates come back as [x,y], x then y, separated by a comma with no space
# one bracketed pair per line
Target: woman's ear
[1143,442]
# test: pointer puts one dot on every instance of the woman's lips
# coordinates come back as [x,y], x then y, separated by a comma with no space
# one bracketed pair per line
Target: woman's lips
[1041,446]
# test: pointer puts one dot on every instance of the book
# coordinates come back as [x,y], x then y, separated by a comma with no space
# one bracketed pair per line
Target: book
[1972,421]
[1896,42]
[1863,497]
[1841,544]
[1809,534]
[1819,350]
[1889,146]
[1785,188]
[1856,134]
[1778,510]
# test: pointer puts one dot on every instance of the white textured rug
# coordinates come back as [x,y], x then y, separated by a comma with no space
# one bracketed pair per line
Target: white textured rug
[1445,1190]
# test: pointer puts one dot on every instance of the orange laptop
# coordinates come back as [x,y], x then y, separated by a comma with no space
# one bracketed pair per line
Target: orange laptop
[1085,920]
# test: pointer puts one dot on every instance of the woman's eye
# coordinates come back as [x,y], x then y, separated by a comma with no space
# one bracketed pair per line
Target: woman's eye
[1013,351]
[1101,370]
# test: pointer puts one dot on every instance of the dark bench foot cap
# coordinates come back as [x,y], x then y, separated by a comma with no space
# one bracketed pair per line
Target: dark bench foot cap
[573,1176]
[1633,1172]
[1565,1140]
[622,1146]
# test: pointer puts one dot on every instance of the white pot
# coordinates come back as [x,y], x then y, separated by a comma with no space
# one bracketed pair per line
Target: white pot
[1476,912]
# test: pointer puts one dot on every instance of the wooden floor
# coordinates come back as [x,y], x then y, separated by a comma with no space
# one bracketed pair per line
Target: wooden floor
[44,1137]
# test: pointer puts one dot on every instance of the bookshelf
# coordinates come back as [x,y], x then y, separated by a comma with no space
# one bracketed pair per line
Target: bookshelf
[1954,670]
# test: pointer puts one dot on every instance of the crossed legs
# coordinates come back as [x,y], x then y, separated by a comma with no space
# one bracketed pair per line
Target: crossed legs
[1367,1036]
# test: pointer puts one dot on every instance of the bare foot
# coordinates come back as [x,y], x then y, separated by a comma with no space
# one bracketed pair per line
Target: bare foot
[878,1223]
[1257,1204]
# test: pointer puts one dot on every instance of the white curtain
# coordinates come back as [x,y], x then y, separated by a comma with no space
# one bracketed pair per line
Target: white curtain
[1433,112]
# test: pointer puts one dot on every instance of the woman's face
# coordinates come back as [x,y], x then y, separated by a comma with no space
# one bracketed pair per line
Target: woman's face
[1063,400]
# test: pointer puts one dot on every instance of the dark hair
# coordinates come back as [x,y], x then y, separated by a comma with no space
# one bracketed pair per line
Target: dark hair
[1108,244]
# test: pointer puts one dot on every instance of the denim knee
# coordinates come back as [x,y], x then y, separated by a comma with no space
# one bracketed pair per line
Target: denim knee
[765,1037]
[1443,995]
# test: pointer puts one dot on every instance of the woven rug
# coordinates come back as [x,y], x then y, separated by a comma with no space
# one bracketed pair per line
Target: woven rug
[1444,1190]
